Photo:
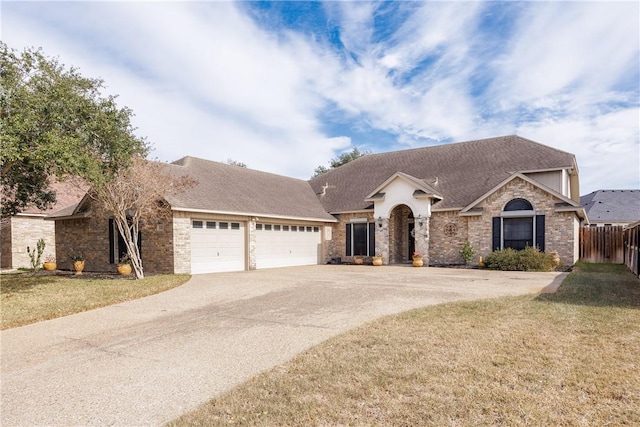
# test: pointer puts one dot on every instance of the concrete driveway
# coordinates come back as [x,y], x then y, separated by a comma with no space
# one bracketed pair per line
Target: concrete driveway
[148,361]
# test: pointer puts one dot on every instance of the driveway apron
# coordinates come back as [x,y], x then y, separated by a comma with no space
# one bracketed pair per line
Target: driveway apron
[148,361]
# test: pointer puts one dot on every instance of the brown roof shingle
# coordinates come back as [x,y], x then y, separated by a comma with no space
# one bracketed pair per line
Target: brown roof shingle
[460,172]
[221,187]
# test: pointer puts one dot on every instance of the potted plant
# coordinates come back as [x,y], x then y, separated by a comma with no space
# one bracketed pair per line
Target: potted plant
[124,266]
[417,260]
[50,263]
[78,263]
[358,260]
[377,260]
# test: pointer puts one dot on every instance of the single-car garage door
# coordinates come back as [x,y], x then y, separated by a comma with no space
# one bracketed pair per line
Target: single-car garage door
[279,245]
[217,246]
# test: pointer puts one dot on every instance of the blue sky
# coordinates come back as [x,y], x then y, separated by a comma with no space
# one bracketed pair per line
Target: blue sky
[286,86]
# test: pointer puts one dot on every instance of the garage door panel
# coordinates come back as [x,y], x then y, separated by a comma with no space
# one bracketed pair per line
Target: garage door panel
[217,250]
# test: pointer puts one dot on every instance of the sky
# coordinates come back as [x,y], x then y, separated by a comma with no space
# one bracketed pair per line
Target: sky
[286,86]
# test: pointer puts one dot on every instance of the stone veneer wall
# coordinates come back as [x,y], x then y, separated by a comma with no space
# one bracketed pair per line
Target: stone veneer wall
[448,232]
[181,243]
[90,237]
[18,232]
[560,228]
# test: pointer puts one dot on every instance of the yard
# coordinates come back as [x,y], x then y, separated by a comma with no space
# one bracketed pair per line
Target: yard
[569,358]
[29,298]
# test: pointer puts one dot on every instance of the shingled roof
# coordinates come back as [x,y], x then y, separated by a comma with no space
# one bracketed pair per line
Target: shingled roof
[460,172]
[224,188]
[612,206]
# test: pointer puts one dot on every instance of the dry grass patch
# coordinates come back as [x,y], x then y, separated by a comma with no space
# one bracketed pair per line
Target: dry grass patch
[562,359]
[28,298]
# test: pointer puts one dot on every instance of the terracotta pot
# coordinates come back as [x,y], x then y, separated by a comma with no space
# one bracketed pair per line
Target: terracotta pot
[78,266]
[418,262]
[124,269]
[377,260]
[358,261]
[50,266]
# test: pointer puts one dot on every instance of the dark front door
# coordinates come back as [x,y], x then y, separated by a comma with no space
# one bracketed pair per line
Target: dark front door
[412,241]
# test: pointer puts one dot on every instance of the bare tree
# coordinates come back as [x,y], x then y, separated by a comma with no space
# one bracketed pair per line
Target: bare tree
[136,194]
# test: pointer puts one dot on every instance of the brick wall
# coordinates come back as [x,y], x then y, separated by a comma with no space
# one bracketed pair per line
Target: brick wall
[337,246]
[560,228]
[448,232]
[19,232]
[90,237]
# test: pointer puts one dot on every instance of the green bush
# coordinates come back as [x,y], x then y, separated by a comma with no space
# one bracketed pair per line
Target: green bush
[529,259]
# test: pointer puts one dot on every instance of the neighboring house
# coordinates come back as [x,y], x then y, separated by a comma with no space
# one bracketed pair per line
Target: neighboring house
[612,207]
[25,229]
[495,193]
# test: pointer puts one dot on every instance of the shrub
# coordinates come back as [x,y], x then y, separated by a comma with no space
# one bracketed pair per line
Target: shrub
[467,252]
[528,259]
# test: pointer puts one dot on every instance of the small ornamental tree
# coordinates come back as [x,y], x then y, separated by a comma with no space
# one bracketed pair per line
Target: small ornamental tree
[134,195]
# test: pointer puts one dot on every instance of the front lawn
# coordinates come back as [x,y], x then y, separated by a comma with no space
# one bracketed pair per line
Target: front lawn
[569,358]
[29,298]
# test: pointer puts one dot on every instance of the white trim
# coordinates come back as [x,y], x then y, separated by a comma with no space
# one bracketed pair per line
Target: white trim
[517,214]
[358,220]
[249,214]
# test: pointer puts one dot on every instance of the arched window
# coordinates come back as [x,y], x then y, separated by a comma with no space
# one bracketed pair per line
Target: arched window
[518,205]
[518,227]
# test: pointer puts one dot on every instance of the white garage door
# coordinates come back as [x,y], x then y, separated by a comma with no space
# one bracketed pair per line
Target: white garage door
[217,246]
[280,245]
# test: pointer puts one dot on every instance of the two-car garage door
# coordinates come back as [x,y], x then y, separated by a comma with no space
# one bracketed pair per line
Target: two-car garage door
[218,246]
[279,245]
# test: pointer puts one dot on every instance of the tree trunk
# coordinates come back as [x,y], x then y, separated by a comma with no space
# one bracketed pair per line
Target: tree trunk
[129,231]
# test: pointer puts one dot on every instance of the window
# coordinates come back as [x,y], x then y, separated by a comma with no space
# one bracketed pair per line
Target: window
[294,228]
[258,226]
[197,224]
[235,226]
[268,227]
[518,232]
[518,227]
[276,227]
[309,229]
[211,224]
[316,229]
[117,246]
[285,228]
[224,226]
[360,239]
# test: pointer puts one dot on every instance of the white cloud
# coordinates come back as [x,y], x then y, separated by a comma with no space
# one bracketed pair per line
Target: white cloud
[205,80]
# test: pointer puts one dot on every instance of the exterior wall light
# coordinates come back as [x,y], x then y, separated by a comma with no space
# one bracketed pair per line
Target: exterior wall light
[380,221]
[420,220]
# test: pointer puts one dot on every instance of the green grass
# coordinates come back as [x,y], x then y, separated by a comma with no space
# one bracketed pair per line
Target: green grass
[569,358]
[28,298]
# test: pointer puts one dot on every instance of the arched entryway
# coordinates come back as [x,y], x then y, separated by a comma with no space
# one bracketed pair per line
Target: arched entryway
[401,235]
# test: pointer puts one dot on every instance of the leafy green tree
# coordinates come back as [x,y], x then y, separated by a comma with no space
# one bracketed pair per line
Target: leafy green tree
[54,122]
[342,159]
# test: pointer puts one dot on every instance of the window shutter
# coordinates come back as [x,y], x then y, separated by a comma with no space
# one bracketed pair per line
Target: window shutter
[540,232]
[112,242]
[496,238]
[372,238]
[348,239]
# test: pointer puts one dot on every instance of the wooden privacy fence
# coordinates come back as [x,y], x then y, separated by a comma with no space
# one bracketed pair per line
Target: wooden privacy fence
[602,244]
[632,247]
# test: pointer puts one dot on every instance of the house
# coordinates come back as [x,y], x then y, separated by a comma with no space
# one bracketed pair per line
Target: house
[495,193]
[612,207]
[26,228]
